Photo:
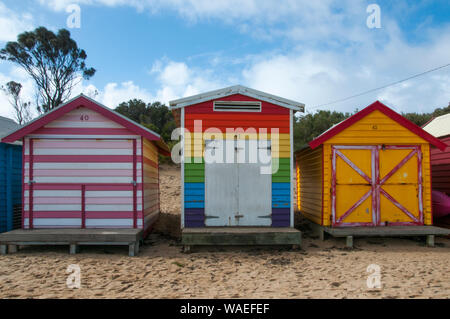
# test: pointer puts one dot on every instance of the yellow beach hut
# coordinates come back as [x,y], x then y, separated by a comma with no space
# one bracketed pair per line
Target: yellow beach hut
[369,171]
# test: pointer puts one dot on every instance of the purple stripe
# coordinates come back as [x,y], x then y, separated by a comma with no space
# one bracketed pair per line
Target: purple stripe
[194,217]
[281,217]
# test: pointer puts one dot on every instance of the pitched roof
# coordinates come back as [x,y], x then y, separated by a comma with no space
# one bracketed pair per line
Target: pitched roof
[7,126]
[82,100]
[377,105]
[237,89]
[438,126]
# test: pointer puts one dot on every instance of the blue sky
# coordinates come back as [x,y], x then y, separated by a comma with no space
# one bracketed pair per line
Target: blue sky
[310,51]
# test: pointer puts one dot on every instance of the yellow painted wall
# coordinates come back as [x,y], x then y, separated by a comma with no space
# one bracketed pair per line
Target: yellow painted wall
[309,183]
[374,129]
[150,178]
[280,143]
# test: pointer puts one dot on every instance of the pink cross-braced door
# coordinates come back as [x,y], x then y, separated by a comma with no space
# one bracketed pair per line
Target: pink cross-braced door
[376,185]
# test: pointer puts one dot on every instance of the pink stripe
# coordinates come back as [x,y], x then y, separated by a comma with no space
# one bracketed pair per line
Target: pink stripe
[82,172]
[91,215]
[59,214]
[56,227]
[112,215]
[83,131]
[55,143]
[80,158]
[51,116]
[89,187]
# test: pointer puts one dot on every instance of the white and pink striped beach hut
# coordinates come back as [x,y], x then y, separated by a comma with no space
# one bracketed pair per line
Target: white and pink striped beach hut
[86,166]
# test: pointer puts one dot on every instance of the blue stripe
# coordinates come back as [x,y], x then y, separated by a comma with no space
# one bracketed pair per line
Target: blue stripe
[194,205]
[281,186]
[193,192]
[194,198]
[281,195]
[194,195]
[194,186]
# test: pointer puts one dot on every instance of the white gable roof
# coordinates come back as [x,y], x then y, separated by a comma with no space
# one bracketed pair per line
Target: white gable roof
[237,89]
[7,126]
[439,126]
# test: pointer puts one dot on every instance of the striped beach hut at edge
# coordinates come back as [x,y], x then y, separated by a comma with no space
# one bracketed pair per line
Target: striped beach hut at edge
[86,166]
[10,177]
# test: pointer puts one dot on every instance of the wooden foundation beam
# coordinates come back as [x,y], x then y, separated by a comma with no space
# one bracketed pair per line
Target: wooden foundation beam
[430,240]
[349,242]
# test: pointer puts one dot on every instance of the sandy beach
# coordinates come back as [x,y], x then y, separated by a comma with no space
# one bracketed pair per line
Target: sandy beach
[321,269]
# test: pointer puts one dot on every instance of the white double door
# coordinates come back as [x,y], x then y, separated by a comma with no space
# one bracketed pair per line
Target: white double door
[238,188]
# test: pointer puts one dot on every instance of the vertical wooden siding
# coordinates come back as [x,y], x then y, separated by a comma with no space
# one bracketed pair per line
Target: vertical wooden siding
[271,116]
[10,185]
[440,167]
[150,183]
[83,148]
[376,129]
[309,163]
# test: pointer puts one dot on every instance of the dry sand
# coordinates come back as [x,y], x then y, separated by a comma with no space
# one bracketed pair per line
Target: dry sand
[409,269]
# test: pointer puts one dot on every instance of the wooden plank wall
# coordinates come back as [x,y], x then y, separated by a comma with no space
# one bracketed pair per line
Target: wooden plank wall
[10,184]
[271,116]
[150,183]
[377,129]
[440,167]
[82,148]
[309,185]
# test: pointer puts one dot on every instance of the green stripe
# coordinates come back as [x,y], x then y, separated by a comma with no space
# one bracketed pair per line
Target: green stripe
[281,179]
[281,174]
[194,173]
[194,179]
[194,167]
[282,160]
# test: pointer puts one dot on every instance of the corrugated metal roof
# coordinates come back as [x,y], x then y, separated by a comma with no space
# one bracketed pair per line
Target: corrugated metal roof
[7,126]
[439,126]
[237,89]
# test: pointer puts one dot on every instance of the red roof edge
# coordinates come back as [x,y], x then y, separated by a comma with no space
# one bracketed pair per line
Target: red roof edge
[69,106]
[377,105]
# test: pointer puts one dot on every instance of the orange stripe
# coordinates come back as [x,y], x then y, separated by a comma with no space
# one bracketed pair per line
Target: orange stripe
[239,117]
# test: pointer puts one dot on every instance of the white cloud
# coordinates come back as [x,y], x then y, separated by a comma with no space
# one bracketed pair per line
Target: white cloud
[114,93]
[174,80]
[177,80]
[330,52]
[12,23]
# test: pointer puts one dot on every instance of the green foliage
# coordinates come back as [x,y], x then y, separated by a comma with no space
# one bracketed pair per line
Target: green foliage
[53,61]
[421,119]
[308,127]
[155,116]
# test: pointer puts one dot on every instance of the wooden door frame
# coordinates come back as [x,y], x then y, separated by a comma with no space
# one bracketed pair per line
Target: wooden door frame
[415,150]
[32,185]
[335,151]
[376,183]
